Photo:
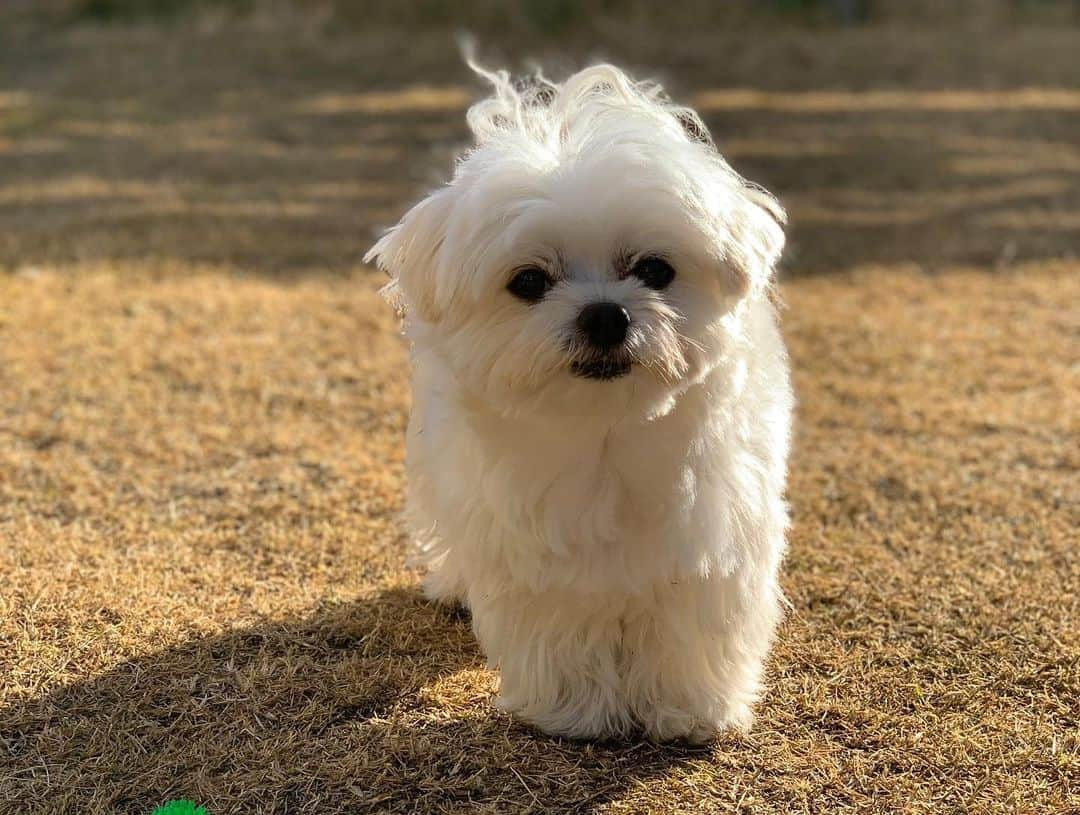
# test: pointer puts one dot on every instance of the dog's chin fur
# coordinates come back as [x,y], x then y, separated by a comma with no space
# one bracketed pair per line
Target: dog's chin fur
[614,520]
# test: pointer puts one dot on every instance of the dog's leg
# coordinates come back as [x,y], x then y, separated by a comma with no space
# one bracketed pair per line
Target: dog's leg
[559,661]
[443,583]
[694,654]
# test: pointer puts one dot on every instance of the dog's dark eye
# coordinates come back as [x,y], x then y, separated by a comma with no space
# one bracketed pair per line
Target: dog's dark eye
[654,272]
[529,284]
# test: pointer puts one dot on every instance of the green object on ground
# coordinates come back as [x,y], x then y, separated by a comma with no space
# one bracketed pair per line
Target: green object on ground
[180,808]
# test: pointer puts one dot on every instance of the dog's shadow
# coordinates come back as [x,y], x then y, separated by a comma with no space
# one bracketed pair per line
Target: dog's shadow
[370,706]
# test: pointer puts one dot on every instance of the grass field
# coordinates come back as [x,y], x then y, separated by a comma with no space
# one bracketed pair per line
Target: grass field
[203,591]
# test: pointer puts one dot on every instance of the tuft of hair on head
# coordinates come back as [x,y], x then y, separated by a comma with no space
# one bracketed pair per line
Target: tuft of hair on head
[556,119]
[547,112]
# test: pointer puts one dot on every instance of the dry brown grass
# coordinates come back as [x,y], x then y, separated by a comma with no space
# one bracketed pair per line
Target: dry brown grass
[202,400]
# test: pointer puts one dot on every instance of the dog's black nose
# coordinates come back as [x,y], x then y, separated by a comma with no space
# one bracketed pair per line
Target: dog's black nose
[604,324]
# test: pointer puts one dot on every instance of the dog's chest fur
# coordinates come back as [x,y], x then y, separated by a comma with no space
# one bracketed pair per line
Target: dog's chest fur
[570,502]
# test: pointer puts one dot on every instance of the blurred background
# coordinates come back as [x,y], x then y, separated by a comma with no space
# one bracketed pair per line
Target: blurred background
[204,590]
[894,131]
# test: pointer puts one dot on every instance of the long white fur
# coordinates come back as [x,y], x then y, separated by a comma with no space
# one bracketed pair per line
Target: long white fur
[617,541]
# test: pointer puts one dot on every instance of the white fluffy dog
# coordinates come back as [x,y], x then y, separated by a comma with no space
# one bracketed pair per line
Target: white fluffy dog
[602,409]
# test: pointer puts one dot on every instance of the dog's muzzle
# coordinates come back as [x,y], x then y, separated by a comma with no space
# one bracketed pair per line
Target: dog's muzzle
[604,326]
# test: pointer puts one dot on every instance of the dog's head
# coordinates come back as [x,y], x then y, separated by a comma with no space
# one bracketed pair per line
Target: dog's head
[590,254]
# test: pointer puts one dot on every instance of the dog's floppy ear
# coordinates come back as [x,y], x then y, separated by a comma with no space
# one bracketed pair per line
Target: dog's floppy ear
[758,239]
[410,253]
[757,220]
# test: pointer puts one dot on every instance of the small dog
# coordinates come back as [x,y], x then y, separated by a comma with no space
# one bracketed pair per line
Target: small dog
[602,409]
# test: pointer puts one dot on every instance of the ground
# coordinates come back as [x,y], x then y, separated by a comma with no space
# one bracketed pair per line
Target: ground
[202,399]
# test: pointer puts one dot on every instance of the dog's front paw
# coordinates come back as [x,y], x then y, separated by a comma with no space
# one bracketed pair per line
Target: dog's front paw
[588,716]
[665,726]
[445,589]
